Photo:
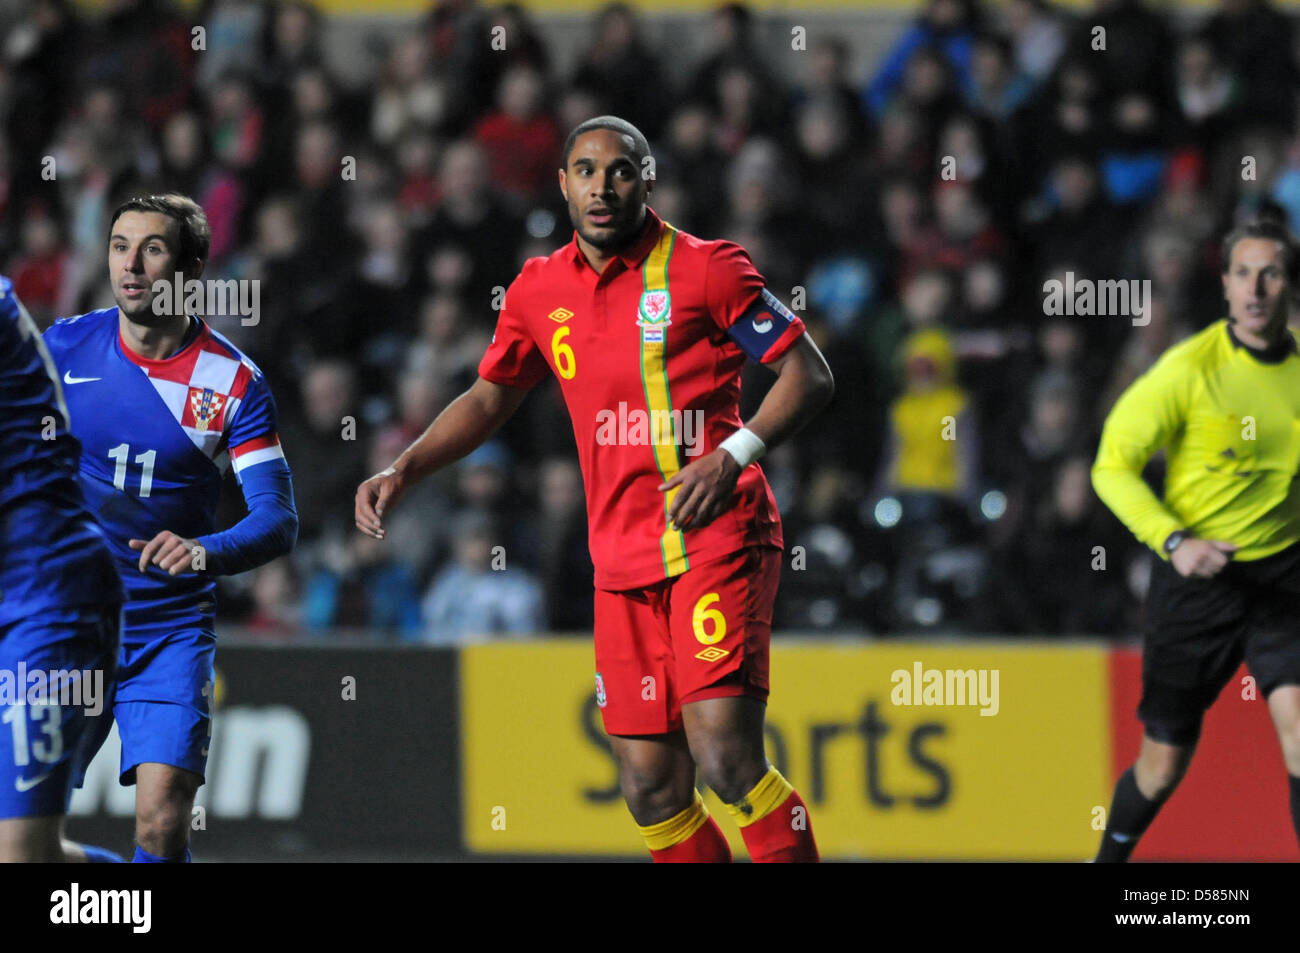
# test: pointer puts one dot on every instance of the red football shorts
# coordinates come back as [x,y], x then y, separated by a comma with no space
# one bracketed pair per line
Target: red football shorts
[702,634]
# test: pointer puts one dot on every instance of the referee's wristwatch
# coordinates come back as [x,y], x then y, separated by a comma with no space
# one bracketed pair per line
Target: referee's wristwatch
[1173,540]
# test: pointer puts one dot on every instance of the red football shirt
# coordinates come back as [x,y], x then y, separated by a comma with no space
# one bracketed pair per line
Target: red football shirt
[648,355]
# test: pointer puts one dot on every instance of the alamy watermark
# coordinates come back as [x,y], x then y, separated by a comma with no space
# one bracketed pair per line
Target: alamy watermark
[133,908]
[945,688]
[75,688]
[638,428]
[1129,297]
[209,297]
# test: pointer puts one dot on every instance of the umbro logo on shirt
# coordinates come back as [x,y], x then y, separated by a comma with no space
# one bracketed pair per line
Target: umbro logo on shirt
[560,315]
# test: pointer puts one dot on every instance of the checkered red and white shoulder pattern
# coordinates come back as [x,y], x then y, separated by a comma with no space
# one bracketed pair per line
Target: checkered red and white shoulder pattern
[203,387]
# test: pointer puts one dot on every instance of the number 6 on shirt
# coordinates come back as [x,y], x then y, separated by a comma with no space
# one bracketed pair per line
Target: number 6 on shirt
[563,354]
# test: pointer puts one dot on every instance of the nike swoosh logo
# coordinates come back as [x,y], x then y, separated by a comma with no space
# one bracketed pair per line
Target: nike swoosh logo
[23,784]
[764,327]
[69,379]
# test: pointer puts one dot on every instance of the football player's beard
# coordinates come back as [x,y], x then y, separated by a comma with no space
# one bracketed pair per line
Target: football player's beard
[619,236]
[142,312]
[602,242]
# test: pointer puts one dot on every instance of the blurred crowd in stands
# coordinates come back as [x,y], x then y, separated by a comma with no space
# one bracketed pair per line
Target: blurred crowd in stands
[911,215]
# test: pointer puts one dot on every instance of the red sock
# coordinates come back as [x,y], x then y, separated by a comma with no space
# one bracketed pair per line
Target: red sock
[706,846]
[781,834]
[690,836]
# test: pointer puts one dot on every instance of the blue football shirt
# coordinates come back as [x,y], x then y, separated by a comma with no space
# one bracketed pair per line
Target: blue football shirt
[158,437]
[52,556]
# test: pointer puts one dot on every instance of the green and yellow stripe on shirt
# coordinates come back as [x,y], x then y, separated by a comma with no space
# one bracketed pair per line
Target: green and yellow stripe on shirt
[659,404]
[1229,420]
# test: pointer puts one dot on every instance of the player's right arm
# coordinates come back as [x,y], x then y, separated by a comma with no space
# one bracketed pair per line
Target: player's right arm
[511,367]
[1146,417]
[460,429]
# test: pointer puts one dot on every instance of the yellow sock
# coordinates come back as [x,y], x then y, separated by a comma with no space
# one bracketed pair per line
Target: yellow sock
[677,828]
[765,797]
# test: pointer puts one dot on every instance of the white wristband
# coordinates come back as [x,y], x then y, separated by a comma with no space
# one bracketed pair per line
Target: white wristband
[744,446]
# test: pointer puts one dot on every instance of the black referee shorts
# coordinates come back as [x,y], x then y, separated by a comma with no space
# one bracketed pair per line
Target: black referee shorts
[1199,630]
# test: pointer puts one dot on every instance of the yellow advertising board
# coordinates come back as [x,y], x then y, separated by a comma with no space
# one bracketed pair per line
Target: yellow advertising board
[901,750]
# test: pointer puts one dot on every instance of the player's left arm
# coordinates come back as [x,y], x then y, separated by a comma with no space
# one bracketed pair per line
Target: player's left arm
[804,386]
[768,332]
[271,527]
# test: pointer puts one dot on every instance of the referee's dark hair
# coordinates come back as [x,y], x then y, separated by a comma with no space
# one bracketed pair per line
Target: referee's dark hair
[613,124]
[195,235]
[1273,228]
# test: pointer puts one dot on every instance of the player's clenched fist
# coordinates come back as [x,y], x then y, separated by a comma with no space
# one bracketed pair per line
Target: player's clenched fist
[376,495]
[707,488]
[1201,557]
[170,552]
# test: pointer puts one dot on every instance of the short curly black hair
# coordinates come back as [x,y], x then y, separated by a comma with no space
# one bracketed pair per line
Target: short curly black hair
[614,124]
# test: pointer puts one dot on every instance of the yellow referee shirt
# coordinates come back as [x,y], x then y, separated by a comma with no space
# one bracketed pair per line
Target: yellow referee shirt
[1229,418]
